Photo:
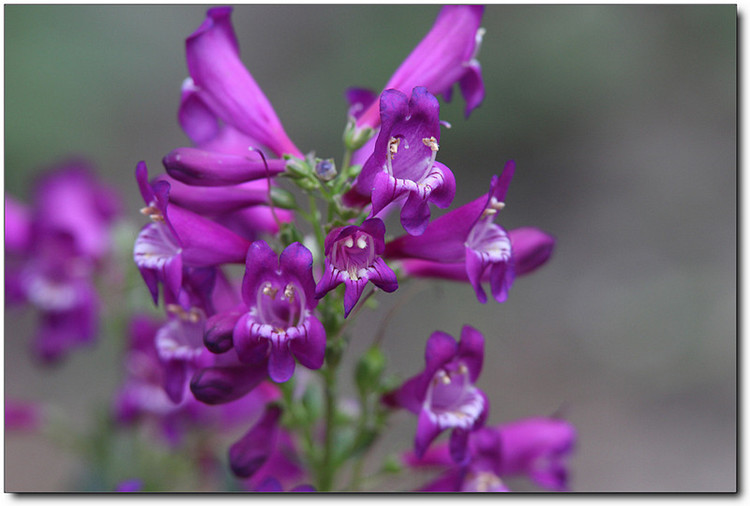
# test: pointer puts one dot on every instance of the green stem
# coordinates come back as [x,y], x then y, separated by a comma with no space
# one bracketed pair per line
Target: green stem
[327,470]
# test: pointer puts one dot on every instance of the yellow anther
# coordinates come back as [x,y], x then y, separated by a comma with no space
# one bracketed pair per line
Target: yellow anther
[431,143]
[270,290]
[289,293]
[153,213]
[393,145]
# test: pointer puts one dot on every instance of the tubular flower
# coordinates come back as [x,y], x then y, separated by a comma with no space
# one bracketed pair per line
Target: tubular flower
[447,54]
[403,164]
[353,258]
[466,244]
[178,237]
[220,87]
[279,294]
[444,395]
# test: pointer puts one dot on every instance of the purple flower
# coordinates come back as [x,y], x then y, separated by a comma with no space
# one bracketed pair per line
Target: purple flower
[444,395]
[54,248]
[220,87]
[402,165]
[445,56]
[178,237]
[536,447]
[209,168]
[271,484]
[279,324]
[353,258]
[473,247]
[266,451]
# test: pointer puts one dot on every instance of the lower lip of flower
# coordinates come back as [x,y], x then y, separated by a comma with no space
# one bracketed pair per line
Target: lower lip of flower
[353,254]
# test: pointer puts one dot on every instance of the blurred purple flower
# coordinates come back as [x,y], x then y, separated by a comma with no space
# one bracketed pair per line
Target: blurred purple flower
[535,447]
[53,250]
[466,244]
[444,395]
[22,415]
[446,55]
[278,325]
[402,165]
[132,485]
[353,258]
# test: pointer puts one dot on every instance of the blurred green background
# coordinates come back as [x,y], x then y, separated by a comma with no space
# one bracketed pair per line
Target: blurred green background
[622,121]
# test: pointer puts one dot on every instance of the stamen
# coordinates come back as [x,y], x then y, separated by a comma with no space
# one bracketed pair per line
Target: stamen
[269,290]
[289,292]
[361,242]
[462,369]
[154,213]
[393,146]
[349,242]
[431,143]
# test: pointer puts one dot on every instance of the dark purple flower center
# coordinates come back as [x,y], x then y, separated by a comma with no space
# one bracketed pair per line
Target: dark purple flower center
[452,399]
[280,306]
[353,254]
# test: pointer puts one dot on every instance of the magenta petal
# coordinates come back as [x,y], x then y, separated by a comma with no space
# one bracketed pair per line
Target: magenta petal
[260,260]
[472,87]
[280,363]
[440,348]
[17,226]
[217,336]
[383,276]
[195,118]
[352,294]
[384,192]
[427,431]
[207,168]
[531,249]
[205,242]
[219,385]
[474,269]
[443,195]
[310,349]
[250,349]
[415,215]
[175,377]
[328,281]
[458,445]
[471,351]
[215,200]
[248,455]
[499,185]
[296,260]
[410,395]
[501,278]
[228,88]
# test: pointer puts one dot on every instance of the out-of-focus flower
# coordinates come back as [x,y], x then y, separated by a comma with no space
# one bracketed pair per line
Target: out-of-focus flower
[221,88]
[54,248]
[279,325]
[131,485]
[271,484]
[22,415]
[353,258]
[466,244]
[534,447]
[445,56]
[444,395]
[266,451]
[402,165]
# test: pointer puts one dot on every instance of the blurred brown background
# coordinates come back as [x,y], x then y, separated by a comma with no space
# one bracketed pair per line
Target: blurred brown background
[622,121]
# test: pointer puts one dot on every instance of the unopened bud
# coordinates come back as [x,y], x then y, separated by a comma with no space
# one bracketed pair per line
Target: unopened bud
[297,167]
[356,137]
[369,368]
[325,169]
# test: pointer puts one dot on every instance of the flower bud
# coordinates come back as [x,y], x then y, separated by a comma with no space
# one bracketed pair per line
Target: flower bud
[356,137]
[369,369]
[325,169]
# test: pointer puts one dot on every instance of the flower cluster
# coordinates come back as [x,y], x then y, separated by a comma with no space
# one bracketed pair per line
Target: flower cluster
[225,338]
